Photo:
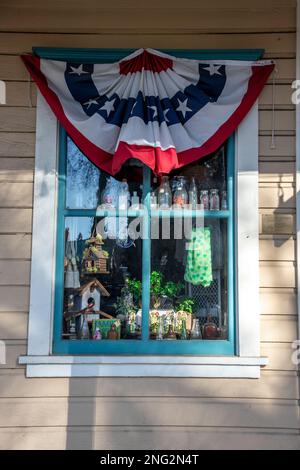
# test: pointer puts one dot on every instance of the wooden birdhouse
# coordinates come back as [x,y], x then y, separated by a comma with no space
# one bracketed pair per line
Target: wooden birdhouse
[94,257]
[90,294]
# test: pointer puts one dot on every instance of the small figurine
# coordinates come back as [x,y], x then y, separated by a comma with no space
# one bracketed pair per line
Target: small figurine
[112,334]
[97,335]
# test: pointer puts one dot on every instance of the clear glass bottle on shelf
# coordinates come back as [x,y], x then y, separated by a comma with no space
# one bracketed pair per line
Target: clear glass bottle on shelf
[107,199]
[224,204]
[135,201]
[180,197]
[124,196]
[164,194]
[196,330]
[204,199]
[214,200]
[153,200]
[193,194]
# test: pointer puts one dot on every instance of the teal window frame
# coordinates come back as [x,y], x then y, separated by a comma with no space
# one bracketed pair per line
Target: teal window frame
[145,346]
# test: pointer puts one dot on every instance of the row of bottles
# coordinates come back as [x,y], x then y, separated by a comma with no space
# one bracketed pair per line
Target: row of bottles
[182,197]
[116,195]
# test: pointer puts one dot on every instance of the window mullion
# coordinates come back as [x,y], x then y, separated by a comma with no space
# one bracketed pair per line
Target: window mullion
[146,253]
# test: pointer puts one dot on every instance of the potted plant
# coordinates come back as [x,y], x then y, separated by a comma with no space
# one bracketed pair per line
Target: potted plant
[156,280]
[184,309]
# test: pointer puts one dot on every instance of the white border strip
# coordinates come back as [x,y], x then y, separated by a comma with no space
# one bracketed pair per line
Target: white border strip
[142,370]
[298,166]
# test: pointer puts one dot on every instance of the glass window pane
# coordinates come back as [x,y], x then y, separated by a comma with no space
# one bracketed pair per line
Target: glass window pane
[102,280]
[189,256]
[189,282]
[88,187]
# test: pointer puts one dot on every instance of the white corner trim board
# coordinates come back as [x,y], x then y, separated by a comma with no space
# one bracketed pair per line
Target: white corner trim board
[40,362]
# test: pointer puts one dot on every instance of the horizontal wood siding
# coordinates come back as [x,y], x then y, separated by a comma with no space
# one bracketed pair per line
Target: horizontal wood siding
[150,412]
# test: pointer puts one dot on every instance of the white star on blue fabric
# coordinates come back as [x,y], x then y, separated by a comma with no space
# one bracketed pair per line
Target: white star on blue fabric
[108,107]
[165,114]
[183,107]
[77,70]
[90,102]
[154,109]
[213,69]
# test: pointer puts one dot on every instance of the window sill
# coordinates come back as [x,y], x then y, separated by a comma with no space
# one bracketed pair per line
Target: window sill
[143,366]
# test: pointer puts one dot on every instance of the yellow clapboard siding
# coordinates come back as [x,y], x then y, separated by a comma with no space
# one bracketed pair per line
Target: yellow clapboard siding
[17,144]
[47,18]
[279,249]
[16,194]
[14,299]
[13,326]
[279,356]
[14,272]
[283,96]
[285,147]
[276,172]
[280,195]
[14,349]
[272,384]
[15,246]
[284,121]
[114,5]
[280,45]
[278,301]
[16,169]
[277,274]
[15,220]
[148,411]
[115,438]
[21,94]
[17,119]
[281,329]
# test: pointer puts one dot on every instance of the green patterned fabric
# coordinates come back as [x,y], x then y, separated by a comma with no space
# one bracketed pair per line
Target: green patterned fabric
[199,266]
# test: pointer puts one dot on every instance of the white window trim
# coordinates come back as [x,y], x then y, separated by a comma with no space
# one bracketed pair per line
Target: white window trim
[40,362]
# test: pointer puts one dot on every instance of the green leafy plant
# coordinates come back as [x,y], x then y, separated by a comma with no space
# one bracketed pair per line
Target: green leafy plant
[185,305]
[172,289]
[156,282]
[135,288]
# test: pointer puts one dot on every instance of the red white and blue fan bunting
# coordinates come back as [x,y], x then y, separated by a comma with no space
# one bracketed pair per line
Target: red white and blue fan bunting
[163,110]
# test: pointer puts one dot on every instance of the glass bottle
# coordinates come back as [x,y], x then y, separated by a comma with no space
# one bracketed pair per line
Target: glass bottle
[153,200]
[180,197]
[204,199]
[124,196]
[160,332]
[183,333]
[210,329]
[171,333]
[196,330]
[214,200]
[193,194]
[85,331]
[107,198]
[135,200]
[164,193]
[224,205]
